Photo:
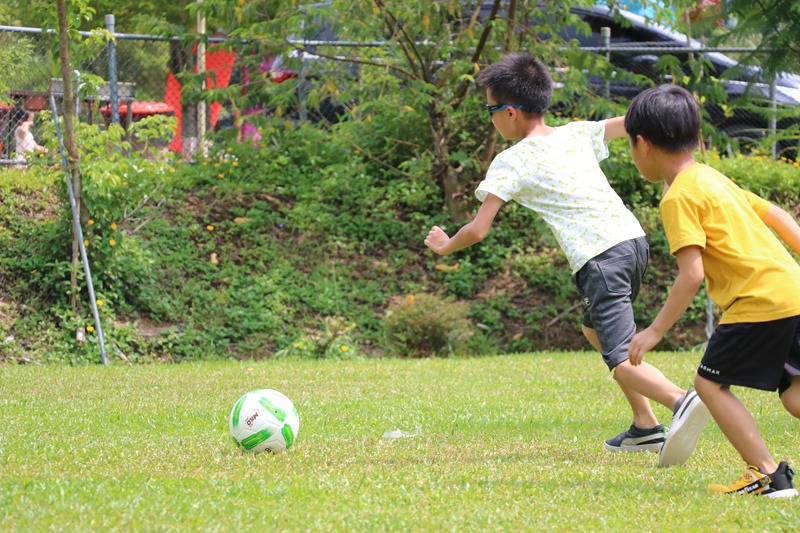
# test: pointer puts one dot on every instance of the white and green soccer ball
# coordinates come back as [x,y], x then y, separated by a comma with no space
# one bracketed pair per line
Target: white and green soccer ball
[264,421]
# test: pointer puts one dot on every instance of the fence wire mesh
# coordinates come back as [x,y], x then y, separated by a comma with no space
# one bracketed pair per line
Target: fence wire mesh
[148,71]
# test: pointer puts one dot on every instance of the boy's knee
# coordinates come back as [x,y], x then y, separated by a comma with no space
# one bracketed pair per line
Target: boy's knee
[704,386]
[791,398]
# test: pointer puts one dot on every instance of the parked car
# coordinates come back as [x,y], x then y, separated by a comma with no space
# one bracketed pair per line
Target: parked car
[741,83]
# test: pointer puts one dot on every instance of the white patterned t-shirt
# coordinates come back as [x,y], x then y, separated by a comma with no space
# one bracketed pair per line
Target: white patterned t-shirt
[559,177]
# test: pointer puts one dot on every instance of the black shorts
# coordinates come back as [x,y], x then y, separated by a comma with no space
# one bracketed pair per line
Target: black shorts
[759,355]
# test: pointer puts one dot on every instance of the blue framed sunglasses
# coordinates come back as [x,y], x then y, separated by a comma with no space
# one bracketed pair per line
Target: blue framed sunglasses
[492,109]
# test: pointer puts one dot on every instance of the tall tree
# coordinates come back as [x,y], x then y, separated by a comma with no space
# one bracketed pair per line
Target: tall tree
[775,25]
[417,57]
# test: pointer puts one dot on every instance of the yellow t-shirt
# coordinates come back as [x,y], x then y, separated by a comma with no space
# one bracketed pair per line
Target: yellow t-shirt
[750,274]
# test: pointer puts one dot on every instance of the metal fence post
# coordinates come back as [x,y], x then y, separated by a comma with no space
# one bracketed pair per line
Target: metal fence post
[112,71]
[605,35]
[773,111]
[76,225]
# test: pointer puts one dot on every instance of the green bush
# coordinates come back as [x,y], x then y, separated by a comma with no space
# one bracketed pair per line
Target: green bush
[335,341]
[776,181]
[424,325]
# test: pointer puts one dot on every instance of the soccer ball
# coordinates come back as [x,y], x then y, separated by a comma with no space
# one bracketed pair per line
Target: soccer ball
[264,420]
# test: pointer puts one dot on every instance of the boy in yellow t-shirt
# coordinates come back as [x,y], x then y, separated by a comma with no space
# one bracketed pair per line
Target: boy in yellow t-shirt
[720,232]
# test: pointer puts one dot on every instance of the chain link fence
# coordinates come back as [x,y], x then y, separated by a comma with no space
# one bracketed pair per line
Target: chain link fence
[142,77]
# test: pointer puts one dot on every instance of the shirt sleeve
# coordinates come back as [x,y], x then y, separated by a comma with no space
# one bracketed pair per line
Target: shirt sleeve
[682,223]
[759,205]
[502,180]
[596,131]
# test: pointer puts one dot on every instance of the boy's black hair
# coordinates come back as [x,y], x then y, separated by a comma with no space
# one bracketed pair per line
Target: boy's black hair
[519,79]
[20,116]
[667,116]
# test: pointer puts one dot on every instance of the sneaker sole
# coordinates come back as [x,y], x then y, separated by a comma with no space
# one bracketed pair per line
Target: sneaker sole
[682,438]
[632,449]
[786,493]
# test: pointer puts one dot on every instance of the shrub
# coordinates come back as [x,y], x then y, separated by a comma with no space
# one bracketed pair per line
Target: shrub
[424,325]
[333,342]
[776,181]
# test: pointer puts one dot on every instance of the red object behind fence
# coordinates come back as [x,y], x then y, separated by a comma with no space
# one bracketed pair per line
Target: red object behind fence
[140,109]
[218,62]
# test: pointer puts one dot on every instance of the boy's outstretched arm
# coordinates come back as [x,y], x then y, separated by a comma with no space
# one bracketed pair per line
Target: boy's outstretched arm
[690,277]
[784,225]
[615,128]
[472,232]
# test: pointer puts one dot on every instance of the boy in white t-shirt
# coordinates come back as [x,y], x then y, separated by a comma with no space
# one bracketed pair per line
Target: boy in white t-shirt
[556,173]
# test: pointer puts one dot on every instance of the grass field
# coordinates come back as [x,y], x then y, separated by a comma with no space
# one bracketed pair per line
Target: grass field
[511,443]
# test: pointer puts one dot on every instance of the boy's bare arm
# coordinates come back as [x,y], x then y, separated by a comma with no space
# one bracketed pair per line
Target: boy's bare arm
[472,232]
[615,128]
[784,225]
[690,277]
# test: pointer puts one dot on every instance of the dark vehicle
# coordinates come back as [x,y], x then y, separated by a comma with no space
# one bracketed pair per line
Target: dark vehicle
[748,93]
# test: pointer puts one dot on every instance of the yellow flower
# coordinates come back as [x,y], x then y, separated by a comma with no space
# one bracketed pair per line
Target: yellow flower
[86,242]
[99,303]
[210,227]
[90,328]
[114,225]
[235,163]
[296,345]
[216,165]
[205,163]
[220,176]
[172,171]
[91,222]
[112,242]
[410,298]
[345,349]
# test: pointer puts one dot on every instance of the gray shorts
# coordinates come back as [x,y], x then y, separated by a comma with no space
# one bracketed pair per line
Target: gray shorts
[609,284]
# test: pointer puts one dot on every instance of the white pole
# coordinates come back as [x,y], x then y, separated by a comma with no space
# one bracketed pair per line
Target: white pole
[201,70]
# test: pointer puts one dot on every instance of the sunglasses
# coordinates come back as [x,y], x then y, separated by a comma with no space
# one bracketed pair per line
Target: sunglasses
[492,109]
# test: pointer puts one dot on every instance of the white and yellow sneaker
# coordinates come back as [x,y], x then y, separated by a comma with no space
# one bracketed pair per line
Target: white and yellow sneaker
[775,485]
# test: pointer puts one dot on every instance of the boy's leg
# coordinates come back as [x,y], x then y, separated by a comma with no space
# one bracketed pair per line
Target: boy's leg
[789,387]
[609,284]
[643,416]
[791,398]
[761,355]
[736,423]
[648,381]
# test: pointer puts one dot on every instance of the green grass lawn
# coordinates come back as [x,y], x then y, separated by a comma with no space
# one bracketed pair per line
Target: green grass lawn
[511,443]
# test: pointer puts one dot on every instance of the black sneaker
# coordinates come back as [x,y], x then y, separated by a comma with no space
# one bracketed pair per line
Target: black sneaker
[638,440]
[775,485]
[688,420]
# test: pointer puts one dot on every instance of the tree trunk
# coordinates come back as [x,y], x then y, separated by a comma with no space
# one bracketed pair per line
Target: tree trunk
[73,161]
[443,171]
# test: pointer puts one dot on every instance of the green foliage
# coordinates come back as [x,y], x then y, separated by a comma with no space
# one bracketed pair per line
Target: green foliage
[777,181]
[423,325]
[773,24]
[334,341]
